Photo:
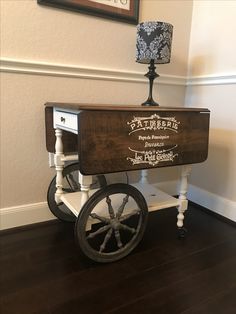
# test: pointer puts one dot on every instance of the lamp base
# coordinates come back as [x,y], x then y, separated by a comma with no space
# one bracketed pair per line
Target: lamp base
[149,102]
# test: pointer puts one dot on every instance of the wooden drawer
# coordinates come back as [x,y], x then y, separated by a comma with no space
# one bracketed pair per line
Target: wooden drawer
[67,121]
[70,140]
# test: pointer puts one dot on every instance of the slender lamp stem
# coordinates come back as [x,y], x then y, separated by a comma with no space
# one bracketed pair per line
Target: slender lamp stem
[151,75]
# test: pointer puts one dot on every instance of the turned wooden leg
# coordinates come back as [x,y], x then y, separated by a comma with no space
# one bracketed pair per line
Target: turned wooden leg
[59,164]
[85,182]
[183,197]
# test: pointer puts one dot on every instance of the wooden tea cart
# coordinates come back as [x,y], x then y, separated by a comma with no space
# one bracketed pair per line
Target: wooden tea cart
[110,220]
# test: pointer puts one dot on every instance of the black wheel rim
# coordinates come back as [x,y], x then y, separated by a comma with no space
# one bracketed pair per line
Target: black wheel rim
[117,231]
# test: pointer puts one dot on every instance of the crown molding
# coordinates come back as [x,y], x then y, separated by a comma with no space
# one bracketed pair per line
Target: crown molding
[72,71]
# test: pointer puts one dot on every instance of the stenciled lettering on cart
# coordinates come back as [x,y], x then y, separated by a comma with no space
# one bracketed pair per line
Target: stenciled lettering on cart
[153,123]
[152,157]
[153,137]
[148,144]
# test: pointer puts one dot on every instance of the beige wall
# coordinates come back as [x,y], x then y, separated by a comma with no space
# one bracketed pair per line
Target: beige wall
[33,32]
[57,47]
[179,14]
[212,45]
[212,63]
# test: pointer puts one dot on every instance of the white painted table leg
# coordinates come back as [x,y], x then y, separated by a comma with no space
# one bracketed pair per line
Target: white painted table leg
[144,176]
[85,182]
[59,164]
[186,169]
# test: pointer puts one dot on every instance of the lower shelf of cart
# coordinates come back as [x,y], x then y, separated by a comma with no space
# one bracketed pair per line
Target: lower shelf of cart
[155,198]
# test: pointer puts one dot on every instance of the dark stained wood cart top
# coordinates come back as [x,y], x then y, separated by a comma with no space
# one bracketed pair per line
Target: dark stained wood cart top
[77,106]
[113,138]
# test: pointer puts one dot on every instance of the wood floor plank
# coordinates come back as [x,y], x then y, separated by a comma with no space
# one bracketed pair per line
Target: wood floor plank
[187,293]
[223,302]
[43,271]
[138,286]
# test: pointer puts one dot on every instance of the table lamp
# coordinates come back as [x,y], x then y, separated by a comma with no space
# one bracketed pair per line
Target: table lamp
[153,46]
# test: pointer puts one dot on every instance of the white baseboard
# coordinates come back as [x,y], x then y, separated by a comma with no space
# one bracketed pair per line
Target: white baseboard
[215,203]
[11,217]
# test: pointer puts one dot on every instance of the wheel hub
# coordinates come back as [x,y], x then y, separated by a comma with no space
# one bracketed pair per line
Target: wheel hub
[115,224]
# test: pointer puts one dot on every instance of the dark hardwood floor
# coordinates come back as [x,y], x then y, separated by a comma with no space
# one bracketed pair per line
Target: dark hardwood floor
[42,270]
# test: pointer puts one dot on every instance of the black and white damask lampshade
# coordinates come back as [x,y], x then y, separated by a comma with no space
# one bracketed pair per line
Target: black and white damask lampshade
[153,47]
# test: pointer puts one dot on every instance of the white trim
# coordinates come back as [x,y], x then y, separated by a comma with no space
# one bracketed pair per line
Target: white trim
[215,203]
[16,216]
[74,71]
[11,217]
[220,79]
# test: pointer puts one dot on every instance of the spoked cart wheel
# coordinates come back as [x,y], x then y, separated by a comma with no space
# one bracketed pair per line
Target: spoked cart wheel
[70,184]
[111,223]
